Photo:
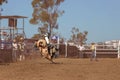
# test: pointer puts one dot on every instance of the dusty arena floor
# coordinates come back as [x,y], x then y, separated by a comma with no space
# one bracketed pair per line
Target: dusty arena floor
[66,69]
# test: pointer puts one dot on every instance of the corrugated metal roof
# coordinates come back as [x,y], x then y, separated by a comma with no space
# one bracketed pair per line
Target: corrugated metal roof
[12,16]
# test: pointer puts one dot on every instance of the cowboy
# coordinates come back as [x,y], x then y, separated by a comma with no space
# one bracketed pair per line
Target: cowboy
[21,46]
[15,48]
[81,49]
[93,54]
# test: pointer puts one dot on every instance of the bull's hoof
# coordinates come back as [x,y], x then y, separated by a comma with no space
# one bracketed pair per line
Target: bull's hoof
[53,62]
[56,63]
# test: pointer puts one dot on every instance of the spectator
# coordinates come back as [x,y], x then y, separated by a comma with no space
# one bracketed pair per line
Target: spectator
[21,47]
[93,54]
[15,48]
[81,48]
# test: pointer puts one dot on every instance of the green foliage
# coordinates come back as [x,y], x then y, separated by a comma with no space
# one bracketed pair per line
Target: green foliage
[43,29]
[3,1]
[77,36]
[46,12]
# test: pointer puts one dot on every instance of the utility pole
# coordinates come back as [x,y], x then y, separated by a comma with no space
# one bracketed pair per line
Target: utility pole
[0,20]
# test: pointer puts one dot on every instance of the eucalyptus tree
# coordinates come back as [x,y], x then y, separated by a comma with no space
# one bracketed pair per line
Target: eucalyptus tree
[78,37]
[45,14]
[3,1]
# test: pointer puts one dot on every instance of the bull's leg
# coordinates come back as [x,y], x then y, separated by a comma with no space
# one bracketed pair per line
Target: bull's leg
[46,55]
[53,55]
[49,58]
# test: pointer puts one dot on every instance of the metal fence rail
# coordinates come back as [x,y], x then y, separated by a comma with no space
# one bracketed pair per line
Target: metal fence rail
[101,50]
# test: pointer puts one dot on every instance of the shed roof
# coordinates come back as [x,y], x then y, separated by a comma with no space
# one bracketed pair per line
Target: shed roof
[12,16]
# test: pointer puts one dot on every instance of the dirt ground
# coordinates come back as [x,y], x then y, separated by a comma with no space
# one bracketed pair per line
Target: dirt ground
[66,69]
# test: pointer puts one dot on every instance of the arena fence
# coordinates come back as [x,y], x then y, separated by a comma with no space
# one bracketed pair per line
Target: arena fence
[102,51]
[5,55]
[67,51]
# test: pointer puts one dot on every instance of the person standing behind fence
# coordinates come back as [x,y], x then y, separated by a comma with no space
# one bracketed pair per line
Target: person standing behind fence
[21,47]
[14,52]
[81,48]
[93,54]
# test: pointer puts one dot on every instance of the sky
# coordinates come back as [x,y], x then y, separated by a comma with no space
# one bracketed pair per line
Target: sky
[101,18]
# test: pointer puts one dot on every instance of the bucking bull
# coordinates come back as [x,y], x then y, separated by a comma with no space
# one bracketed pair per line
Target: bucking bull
[47,50]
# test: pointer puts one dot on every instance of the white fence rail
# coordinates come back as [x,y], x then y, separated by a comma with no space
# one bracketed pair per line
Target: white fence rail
[107,47]
[101,48]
